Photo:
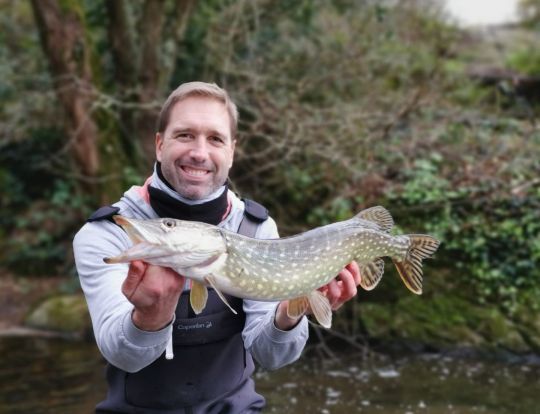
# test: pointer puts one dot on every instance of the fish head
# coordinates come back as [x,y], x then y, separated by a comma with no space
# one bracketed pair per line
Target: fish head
[149,231]
[169,242]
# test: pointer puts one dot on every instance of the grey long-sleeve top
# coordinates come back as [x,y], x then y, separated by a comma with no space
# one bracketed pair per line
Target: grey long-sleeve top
[131,349]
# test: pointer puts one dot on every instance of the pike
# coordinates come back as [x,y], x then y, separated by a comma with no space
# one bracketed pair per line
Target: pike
[290,268]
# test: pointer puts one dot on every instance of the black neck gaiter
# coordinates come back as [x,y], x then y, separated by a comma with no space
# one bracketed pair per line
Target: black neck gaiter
[211,212]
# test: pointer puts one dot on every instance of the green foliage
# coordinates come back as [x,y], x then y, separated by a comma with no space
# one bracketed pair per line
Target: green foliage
[36,154]
[331,95]
[40,238]
[344,105]
[492,242]
[525,61]
[41,207]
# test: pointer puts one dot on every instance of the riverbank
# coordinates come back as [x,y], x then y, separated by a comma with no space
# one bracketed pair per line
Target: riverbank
[19,294]
[433,323]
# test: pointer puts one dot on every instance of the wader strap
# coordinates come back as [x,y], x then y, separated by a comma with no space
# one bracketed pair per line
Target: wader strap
[254,215]
[104,213]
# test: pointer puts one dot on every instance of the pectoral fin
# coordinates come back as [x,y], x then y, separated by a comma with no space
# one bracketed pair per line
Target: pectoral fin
[297,307]
[198,296]
[321,308]
[211,281]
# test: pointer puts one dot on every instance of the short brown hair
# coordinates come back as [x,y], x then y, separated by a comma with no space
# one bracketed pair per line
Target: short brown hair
[188,89]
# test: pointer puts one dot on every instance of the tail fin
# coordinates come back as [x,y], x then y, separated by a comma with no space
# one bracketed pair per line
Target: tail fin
[410,269]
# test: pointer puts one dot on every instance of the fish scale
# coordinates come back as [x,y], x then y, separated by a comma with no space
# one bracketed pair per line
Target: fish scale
[319,263]
[290,268]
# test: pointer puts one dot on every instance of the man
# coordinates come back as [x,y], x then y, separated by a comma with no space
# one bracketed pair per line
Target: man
[136,310]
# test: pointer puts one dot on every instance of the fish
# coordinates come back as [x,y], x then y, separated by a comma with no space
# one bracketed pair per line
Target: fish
[290,268]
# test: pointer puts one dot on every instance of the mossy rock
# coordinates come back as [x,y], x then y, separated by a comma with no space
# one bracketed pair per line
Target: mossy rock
[62,313]
[528,322]
[441,322]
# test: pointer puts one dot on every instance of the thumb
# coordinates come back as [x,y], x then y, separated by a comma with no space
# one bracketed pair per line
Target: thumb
[135,274]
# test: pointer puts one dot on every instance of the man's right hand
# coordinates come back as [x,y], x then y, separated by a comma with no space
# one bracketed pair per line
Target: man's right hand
[154,291]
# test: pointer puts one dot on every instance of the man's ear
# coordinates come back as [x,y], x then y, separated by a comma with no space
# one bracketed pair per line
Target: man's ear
[159,145]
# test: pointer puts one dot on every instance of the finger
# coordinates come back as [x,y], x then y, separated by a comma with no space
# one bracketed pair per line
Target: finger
[355,271]
[178,279]
[136,272]
[324,290]
[334,292]
[169,278]
[348,289]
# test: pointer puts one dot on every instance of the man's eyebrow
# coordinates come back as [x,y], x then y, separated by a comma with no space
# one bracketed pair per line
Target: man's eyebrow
[216,132]
[180,129]
[211,131]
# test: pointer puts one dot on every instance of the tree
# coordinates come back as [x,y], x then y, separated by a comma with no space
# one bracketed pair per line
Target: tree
[130,94]
[62,34]
[142,73]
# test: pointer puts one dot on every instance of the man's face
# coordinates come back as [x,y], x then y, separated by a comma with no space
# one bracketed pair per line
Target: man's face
[196,149]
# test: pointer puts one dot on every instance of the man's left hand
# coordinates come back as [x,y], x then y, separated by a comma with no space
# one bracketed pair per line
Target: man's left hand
[338,291]
[343,287]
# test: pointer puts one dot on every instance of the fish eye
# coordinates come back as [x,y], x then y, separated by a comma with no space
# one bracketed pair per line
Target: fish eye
[169,223]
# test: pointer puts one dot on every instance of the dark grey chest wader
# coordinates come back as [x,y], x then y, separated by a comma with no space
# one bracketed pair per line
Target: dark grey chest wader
[211,370]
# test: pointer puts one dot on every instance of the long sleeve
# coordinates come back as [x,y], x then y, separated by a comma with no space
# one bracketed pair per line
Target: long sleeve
[120,342]
[270,346]
[130,349]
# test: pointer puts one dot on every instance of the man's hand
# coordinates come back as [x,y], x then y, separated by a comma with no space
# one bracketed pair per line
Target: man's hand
[343,287]
[154,292]
[338,291]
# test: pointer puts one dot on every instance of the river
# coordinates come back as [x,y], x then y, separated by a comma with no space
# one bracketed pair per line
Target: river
[40,375]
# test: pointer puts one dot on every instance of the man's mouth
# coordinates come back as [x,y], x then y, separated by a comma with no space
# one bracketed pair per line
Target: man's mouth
[194,172]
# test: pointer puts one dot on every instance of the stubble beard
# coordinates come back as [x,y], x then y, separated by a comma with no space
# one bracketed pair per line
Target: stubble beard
[195,191]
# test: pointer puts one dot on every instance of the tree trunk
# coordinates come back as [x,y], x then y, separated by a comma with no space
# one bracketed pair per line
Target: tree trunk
[141,72]
[62,34]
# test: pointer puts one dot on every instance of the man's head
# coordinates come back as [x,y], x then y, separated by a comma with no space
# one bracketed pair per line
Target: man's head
[196,138]
[202,89]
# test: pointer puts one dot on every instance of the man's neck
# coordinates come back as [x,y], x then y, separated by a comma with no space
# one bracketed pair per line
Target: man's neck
[166,202]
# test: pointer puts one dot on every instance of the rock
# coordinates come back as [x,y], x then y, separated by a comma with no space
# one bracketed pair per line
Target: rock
[443,322]
[63,313]
[528,321]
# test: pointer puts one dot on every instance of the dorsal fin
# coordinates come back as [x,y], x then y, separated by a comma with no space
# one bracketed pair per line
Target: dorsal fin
[378,215]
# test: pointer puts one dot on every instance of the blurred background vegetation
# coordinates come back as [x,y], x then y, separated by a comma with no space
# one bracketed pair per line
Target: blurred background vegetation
[344,105]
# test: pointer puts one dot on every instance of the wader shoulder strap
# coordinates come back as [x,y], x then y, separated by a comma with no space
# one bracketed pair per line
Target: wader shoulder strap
[254,215]
[103,213]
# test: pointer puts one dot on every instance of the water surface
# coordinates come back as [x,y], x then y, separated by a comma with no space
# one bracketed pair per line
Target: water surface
[40,375]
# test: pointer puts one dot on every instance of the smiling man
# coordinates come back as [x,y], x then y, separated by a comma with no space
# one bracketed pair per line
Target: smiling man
[196,147]
[140,313]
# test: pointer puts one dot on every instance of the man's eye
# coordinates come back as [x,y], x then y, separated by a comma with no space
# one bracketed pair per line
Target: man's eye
[217,140]
[183,136]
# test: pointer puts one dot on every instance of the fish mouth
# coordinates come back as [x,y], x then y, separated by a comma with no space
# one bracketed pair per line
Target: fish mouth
[135,229]
[140,233]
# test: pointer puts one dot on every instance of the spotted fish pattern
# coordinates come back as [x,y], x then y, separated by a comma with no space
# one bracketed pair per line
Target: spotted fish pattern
[290,267]
[278,269]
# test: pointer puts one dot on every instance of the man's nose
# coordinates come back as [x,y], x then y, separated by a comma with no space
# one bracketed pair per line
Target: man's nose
[199,149]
